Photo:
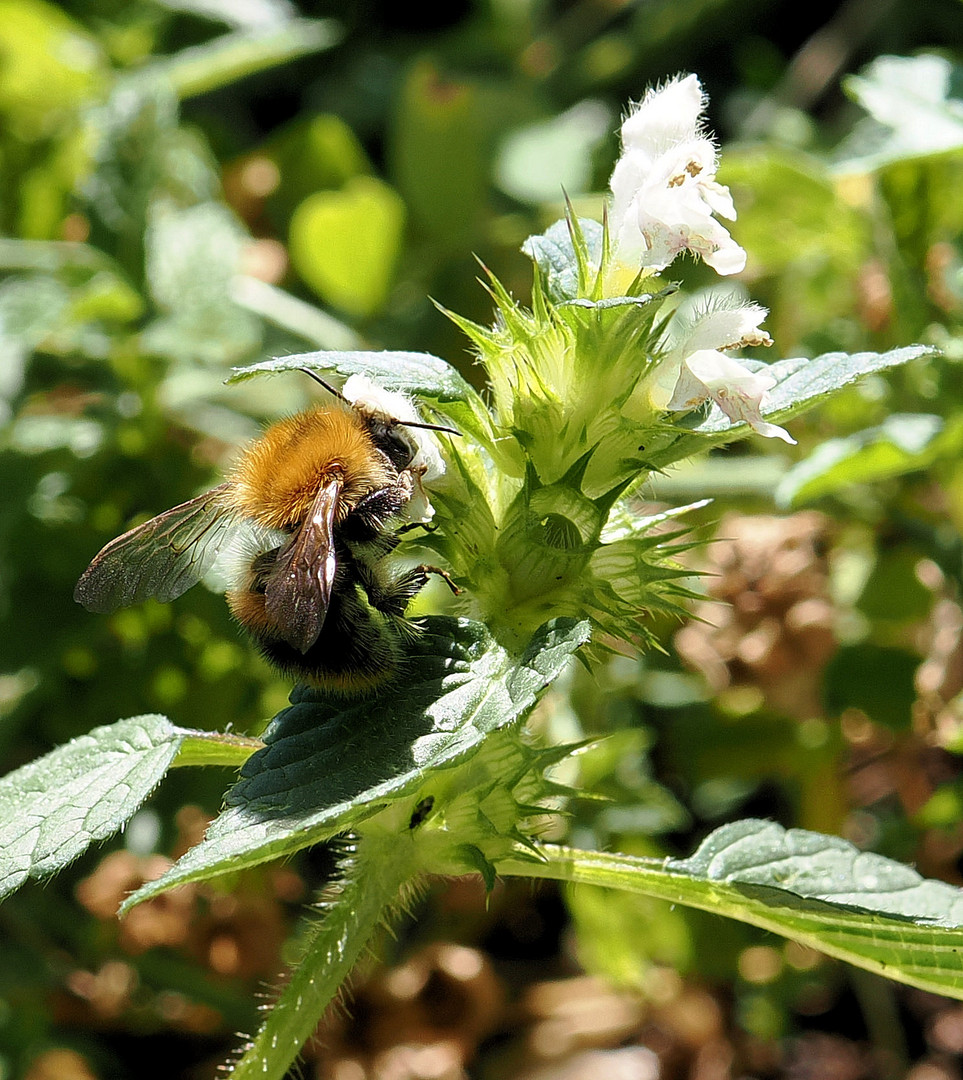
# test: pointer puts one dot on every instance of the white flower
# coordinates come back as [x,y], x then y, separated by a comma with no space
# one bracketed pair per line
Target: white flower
[736,390]
[664,187]
[727,325]
[694,369]
[427,463]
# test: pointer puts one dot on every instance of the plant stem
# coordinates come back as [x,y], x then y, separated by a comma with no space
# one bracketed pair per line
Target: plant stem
[203,68]
[380,867]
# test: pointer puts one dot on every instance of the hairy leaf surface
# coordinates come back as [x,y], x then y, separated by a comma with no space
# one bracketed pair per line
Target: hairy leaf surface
[819,890]
[328,766]
[52,809]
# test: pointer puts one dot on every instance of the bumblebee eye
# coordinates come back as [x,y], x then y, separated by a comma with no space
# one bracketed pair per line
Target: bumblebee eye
[395,443]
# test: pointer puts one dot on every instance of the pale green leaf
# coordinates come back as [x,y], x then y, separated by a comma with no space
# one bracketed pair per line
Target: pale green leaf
[53,809]
[203,68]
[557,259]
[912,108]
[439,154]
[539,162]
[345,244]
[215,748]
[193,257]
[819,890]
[903,443]
[415,373]
[419,374]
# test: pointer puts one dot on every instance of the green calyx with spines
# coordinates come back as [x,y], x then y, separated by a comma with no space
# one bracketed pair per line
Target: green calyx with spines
[522,517]
[469,817]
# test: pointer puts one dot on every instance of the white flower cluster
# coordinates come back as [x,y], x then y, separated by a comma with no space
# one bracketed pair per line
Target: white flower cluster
[665,196]
[664,184]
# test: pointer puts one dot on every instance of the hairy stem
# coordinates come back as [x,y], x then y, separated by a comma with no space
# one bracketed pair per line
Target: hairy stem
[375,875]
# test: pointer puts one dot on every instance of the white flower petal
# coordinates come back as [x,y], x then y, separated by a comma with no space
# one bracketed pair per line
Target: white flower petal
[736,390]
[771,431]
[666,115]
[725,328]
[727,257]
[720,373]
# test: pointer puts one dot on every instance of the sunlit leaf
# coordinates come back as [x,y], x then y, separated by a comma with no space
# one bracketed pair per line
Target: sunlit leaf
[421,375]
[203,68]
[53,809]
[439,155]
[554,253]
[537,163]
[902,443]
[913,111]
[818,890]
[193,256]
[50,65]
[329,766]
[345,244]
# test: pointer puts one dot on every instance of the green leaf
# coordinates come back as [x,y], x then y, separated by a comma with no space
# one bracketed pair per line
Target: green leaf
[557,259]
[328,766]
[415,373]
[539,162]
[819,890]
[293,314]
[193,257]
[903,443]
[215,748]
[893,590]
[793,220]
[317,153]
[372,875]
[51,64]
[439,155]
[912,107]
[877,679]
[419,374]
[53,809]
[345,244]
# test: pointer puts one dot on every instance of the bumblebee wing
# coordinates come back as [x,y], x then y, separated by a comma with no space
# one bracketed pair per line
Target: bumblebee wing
[162,558]
[299,590]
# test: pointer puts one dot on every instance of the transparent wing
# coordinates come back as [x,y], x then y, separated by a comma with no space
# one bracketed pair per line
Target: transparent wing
[162,558]
[299,590]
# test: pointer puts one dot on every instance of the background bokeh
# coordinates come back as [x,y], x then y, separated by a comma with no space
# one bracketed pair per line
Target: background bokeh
[195,184]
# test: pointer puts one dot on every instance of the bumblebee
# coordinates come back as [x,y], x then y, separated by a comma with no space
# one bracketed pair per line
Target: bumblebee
[311,512]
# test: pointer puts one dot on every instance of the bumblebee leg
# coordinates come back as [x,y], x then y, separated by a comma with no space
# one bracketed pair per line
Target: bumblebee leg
[428,526]
[443,574]
[394,595]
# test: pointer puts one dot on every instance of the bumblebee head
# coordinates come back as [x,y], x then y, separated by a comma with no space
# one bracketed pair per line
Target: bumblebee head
[392,439]
[394,425]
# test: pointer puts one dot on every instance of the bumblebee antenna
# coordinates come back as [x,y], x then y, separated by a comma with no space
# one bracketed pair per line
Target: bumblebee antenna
[331,390]
[430,427]
[405,423]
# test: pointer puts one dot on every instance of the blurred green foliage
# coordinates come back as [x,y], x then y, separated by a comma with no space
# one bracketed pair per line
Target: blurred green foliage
[185,185]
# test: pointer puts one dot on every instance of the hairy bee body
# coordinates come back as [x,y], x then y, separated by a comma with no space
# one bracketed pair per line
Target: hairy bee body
[277,479]
[323,494]
[360,646]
